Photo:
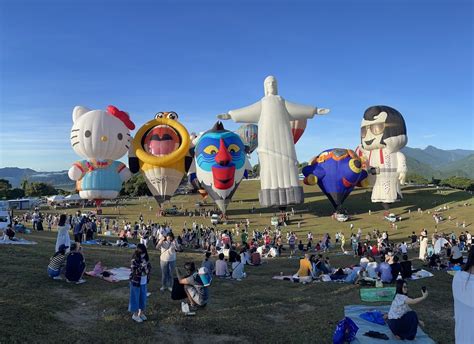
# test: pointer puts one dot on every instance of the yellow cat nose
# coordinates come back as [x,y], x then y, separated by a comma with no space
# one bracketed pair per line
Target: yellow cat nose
[104,138]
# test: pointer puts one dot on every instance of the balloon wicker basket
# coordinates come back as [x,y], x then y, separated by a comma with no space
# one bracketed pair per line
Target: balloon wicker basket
[98,209]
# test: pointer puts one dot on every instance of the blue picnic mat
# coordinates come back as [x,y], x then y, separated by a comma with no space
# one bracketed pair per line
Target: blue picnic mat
[354,312]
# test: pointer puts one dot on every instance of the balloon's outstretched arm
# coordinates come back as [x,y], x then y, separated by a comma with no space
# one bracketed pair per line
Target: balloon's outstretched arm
[322,111]
[224,116]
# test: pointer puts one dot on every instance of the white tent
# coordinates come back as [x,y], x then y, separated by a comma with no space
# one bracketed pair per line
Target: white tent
[56,198]
[72,198]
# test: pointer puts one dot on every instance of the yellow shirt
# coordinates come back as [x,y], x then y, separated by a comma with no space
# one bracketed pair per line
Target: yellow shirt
[305,268]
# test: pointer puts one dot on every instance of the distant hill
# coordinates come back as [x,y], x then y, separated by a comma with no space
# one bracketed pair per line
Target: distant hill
[433,162]
[16,175]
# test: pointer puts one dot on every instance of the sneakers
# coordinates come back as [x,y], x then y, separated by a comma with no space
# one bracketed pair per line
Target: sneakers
[162,289]
[81,281]
[143,317]
[137,318]
[170,289]
[148,294]
[58,278]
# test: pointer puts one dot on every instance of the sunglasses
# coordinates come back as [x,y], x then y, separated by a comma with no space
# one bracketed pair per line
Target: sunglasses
[376,129]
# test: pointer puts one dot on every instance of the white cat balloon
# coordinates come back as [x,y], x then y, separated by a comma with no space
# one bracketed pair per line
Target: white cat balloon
[100,137]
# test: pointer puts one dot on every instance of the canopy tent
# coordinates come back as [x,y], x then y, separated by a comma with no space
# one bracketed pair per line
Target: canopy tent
[72,198]
[56,198]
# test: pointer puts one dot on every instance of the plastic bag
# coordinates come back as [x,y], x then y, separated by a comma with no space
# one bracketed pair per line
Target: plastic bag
[346,331]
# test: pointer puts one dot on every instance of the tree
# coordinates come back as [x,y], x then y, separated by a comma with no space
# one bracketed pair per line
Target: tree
[5,186]
[15,193]
[417,179]
[38,189]
[458,183]
[135,186]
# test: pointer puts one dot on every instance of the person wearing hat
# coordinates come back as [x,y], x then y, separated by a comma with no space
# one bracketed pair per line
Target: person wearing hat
[57,262]
[195,285]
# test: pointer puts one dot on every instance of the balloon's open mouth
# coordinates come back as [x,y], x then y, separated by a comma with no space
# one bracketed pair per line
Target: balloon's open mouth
[368,143]
[223,176]
[161,140]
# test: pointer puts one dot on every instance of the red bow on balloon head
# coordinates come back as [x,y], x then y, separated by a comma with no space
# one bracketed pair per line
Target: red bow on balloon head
[121,115]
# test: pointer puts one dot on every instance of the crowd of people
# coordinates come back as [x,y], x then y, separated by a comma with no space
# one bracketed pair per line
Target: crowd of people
[226,252]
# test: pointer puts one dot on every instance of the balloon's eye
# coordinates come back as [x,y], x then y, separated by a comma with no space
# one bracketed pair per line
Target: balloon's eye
[87,133]
[120,136]
[211,150]
[233,148]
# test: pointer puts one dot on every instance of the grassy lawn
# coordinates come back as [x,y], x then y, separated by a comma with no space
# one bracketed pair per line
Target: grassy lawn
[34,308]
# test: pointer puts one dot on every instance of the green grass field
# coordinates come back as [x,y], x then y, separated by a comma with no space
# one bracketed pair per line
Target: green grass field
[35,309]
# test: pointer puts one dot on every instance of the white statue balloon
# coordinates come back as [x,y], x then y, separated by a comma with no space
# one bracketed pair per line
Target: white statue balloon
[276,150]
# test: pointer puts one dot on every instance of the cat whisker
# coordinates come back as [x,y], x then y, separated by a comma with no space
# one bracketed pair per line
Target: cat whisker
[75,143]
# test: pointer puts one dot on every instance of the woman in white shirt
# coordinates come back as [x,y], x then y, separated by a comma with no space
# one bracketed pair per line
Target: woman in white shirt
[168,247]
[63,233]
[238,269]
[463,294]
[403,321]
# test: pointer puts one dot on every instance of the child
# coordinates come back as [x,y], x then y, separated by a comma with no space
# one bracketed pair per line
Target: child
[139,276]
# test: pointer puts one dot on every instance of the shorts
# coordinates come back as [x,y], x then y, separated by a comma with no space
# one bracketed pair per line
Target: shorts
[53,273]
[194,295]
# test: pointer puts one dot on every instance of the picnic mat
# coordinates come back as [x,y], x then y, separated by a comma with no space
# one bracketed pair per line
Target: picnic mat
[16,242]
[421,274]
[377,294]
[354,312]
[116,274]
[283,278]
[108,243]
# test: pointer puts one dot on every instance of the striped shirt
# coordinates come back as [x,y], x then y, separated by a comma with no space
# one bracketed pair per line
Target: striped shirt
[57,262]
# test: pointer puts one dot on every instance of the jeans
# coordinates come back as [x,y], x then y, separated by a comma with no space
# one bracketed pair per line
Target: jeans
[53,273]
[137,298]
[167,273]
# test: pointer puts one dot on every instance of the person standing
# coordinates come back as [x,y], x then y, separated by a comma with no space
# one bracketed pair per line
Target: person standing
[139,277]
[463,294]
[423,244]
[63,233]
[168,246]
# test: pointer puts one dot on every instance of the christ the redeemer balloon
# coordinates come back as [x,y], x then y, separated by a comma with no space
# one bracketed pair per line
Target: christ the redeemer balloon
[276,151]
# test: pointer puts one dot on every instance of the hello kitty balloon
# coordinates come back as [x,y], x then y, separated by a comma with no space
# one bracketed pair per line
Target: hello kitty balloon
[100,137]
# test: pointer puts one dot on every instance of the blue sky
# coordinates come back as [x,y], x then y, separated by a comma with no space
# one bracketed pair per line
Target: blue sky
[201,58]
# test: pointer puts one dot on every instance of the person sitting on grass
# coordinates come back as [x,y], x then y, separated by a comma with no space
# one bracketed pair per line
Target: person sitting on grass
[305,270]
[10,233]
[372,266]
[402,321]
[57,262]
[384,270]
[208,264]
[456,255]
[406,267]
[222,270]
[75,264]
[255,257]
[139,275]
[196,290]
[238,269]
[396,268]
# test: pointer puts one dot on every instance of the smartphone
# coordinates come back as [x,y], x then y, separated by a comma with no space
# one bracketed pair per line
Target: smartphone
[423,289]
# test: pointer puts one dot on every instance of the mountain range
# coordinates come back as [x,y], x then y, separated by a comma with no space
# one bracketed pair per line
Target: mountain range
[430,162]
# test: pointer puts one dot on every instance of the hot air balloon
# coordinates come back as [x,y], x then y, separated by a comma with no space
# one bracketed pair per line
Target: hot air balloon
[249,135]
[297,128]
[160,152]
[336,171]
[279,182]
[220,163]
[101,138]
[383,135]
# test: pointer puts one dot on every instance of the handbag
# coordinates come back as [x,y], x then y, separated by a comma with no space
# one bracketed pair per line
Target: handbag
[177,292]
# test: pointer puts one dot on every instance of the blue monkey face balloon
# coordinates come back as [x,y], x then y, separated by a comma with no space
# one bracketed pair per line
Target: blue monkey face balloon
[220,162]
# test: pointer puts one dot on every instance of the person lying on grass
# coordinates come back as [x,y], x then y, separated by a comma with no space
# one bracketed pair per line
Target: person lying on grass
[196,289]
[75,264]
[57,262]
